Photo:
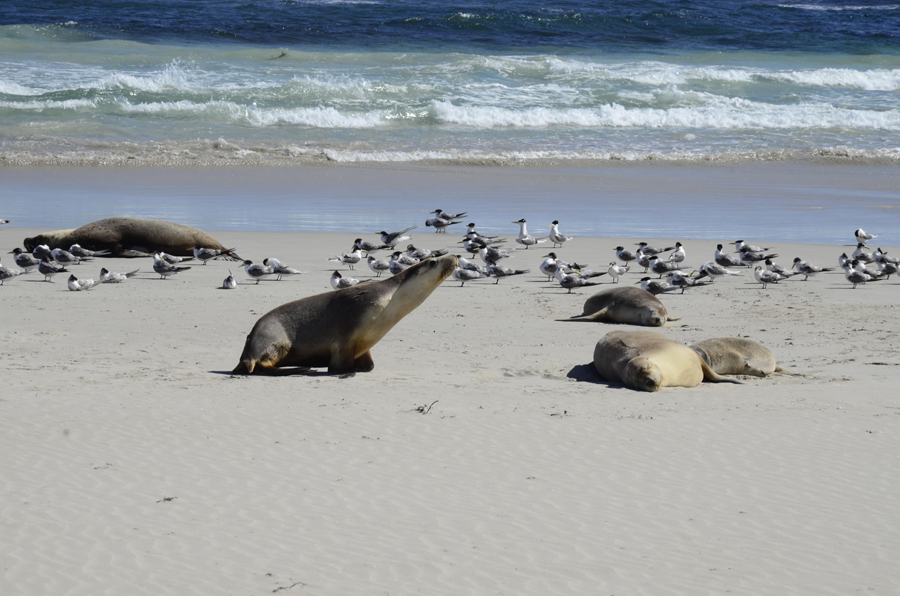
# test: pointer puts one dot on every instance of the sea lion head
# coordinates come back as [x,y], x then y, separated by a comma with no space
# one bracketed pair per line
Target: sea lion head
[420,280]
[642,374]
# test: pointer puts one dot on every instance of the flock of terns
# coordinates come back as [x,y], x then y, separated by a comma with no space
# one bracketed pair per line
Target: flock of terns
[858,267]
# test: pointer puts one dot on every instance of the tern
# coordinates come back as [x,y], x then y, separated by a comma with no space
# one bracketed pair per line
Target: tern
[557,237]
[806,270]
[50,268]
[165,268]
[394,237]
[525,238]
[113,277]
[378,266]
[257,271]
[25,260]
[863,237]
[279,268]
[77,285]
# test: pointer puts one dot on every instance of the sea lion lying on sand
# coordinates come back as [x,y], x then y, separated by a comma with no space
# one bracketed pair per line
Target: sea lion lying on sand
[338,329]
[132,237]
[647,361]
[633,306]
[736,356]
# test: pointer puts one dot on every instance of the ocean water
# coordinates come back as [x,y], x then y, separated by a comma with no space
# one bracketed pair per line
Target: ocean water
[193,82]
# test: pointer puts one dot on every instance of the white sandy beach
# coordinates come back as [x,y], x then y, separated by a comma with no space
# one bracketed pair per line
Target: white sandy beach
[136,464]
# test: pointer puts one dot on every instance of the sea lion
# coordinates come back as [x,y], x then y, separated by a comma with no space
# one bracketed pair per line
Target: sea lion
[647,360]
[339,328]
[736,356]
[131,237]
[633,306]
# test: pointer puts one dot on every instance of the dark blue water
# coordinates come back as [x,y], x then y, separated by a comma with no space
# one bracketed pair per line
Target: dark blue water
[849,27]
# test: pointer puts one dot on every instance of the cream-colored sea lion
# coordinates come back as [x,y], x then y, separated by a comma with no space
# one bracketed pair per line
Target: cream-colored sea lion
[338,329]
[131,237]
[633,306]
[736,356]
[647,360]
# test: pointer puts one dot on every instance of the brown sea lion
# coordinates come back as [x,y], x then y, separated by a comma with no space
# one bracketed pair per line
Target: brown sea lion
[131,237]
[633,306]
[647,361]
[736,356]
[338,329]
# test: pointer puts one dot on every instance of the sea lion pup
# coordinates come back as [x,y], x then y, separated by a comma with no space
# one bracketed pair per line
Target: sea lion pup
[131,237]
[647,360]
[338,329]
[633,306]
[737,356]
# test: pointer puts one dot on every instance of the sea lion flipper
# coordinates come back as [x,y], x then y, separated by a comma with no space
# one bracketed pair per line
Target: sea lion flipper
[711,376]
[671,318]
[600,315]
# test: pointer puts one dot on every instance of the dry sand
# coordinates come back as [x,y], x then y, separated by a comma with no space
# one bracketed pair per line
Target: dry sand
[134,463]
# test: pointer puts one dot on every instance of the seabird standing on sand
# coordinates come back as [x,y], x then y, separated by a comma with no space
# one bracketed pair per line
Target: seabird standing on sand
[464,275]
[557,237]
[679,254]
[492,254]
[378,266]
[806,270]
[165,268]
[439,224]
[652,250]
[882,254]
[257,271]
[887,268]
[677,279]
[857,277]
[765,277]
[662,267]
[525,238]
[349,258]
[499,271]
[624,255]
[397,264]
[616,271]
[50,268]
[205,254]
[24,259]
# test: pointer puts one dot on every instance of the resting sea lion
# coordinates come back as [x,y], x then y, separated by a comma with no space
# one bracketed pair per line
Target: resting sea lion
[736,356]
[337,329]
[647,360]
[131,237]
[633,306]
